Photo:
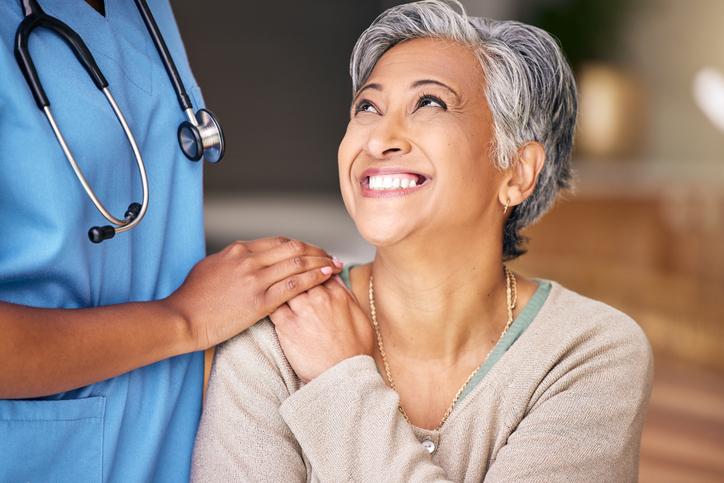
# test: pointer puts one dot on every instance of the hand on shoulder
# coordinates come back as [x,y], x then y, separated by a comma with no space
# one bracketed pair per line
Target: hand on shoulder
[322,327]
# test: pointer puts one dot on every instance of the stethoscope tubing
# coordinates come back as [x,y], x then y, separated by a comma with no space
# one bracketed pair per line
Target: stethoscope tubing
[35,17]
[129,222]
[205,133]
[165,55]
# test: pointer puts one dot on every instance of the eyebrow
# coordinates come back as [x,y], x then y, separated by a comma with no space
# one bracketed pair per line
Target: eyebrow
[374,86]
[414,85]
[423,82]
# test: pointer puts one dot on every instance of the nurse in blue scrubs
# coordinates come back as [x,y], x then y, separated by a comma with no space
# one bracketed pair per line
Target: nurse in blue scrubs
[101,344]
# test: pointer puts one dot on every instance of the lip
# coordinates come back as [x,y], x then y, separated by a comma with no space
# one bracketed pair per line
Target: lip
[390,193]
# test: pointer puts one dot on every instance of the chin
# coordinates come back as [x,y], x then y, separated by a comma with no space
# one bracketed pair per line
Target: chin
[381,223]
[380,232]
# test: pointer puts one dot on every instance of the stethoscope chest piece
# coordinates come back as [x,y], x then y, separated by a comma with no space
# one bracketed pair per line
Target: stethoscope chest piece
[201,137]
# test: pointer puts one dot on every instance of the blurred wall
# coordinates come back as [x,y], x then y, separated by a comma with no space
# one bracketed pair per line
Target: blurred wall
[667,43]
[276,73]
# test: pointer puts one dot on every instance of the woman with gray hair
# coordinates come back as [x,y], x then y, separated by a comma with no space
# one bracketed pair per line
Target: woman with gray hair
[435,362]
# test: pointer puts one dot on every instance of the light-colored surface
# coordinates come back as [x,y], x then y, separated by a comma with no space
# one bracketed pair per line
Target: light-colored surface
[648,178]
[708,91]
[321,220]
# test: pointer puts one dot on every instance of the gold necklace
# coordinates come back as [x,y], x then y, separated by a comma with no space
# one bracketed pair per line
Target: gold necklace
[511,300]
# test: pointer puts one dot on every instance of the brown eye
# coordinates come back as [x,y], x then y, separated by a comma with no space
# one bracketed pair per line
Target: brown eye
[428,100]
[365,106]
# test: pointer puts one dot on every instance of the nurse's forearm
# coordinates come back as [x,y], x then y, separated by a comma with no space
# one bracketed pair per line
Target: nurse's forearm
[46,351]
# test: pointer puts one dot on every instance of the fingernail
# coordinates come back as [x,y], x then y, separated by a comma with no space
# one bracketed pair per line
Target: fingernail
[326,270]
[337,262]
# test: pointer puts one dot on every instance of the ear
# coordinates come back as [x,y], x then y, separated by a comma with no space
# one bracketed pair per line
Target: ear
[523,175]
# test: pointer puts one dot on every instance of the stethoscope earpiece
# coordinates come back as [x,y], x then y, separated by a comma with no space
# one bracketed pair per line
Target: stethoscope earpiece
[99,233]
[201,136]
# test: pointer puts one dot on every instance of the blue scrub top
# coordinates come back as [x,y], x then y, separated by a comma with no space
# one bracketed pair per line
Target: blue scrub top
[139,426]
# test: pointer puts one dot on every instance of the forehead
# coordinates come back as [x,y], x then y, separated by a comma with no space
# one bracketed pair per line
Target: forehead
[427,58]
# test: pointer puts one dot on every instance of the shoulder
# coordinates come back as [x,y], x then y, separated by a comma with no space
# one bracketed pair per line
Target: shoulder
[571,315]
[253,354]
[580,330]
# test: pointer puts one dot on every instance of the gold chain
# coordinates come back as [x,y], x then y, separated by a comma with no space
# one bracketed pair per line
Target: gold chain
[511,290]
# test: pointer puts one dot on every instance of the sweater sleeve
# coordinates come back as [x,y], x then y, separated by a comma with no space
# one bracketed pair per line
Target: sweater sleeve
[585,420]
[241,436]
[348,425]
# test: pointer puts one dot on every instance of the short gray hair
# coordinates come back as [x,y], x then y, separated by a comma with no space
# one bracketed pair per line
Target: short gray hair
[531,90]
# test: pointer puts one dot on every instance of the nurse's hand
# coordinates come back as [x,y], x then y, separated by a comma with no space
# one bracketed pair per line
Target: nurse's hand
[229,291]
[321,328]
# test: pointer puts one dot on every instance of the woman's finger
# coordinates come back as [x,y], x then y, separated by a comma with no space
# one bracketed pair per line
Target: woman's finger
[315,297]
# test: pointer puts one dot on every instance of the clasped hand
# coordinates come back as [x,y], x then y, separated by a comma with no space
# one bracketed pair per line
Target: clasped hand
[322,327]
[227,292]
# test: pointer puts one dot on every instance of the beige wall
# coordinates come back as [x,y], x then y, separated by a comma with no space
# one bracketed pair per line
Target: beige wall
[668,43]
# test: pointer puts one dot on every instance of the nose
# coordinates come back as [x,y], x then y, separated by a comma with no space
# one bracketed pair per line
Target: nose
[388,138]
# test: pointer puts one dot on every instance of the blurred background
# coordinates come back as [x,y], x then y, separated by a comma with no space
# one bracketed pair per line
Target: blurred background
[643,230]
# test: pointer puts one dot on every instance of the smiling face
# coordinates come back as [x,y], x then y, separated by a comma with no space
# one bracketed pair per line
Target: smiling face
[415,160]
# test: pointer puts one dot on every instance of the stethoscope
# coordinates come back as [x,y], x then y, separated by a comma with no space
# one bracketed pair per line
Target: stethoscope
[199,137]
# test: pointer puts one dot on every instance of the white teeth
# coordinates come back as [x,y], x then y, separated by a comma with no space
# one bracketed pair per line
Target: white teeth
[390,183]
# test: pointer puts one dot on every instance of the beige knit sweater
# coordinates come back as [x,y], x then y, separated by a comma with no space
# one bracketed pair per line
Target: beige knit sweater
[565,402]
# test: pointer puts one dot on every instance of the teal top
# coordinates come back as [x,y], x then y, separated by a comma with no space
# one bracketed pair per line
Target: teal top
[520,323]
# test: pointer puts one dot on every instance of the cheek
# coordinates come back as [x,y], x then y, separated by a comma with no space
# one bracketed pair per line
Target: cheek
[457,158]
[345,156]
[467,178]
[476,171]
[344,153]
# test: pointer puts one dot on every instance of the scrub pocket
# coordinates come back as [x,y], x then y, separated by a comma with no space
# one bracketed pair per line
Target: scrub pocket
[52,441]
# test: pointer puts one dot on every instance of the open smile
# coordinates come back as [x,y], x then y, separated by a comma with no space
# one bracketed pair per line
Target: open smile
[386,183]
